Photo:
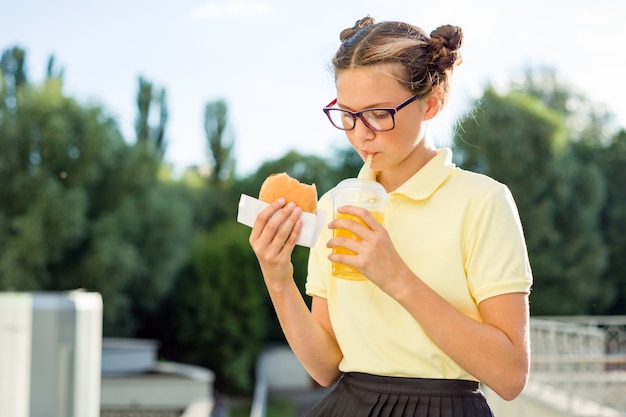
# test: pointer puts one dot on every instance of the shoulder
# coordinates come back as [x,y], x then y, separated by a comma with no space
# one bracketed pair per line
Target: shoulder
[476,187]
[476,181]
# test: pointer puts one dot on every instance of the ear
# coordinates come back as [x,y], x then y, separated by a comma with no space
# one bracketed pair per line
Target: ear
[433,105]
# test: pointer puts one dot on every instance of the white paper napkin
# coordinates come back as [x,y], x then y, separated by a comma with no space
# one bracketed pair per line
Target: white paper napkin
[249,208]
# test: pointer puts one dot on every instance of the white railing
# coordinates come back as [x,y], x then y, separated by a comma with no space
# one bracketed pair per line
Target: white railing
[578,369]
[259,401]
[582,360]
[280,373]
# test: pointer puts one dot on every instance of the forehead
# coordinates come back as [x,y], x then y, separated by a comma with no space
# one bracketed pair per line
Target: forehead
[367,86]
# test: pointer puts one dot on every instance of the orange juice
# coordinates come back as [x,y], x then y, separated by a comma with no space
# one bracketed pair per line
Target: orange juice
[347,271]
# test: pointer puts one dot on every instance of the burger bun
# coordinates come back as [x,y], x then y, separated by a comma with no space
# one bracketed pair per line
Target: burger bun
[282,185]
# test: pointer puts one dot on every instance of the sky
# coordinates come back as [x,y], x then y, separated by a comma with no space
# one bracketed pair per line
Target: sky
[268,59]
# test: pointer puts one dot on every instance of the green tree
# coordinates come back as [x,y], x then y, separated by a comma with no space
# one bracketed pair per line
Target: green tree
[519,141]
[348,163]
[220,142]
[218,316]
[43,200]
[587,121]
[147,98]
[593,141]
[13,68]
[81,208]
[214,204]
[612,159]
[51,72]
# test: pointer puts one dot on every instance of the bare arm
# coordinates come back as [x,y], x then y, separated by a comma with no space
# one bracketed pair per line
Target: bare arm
[495,349]
[311,342]
[308,333]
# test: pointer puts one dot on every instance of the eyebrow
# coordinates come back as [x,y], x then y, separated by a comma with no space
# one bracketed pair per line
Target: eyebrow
[373,106]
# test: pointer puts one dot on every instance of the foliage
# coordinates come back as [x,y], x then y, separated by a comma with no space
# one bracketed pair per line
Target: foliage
[220,142]
[147,98]
[81,208]
[612,160]
[517,140]
[595,142]
[12,67]
[347,163]
[586,121]
[220,319]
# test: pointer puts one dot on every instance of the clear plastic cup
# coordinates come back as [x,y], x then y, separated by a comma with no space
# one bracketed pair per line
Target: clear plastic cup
[367,194]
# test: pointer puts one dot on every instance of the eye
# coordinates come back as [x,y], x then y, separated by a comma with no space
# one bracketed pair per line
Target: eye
[378,114]
[345,115]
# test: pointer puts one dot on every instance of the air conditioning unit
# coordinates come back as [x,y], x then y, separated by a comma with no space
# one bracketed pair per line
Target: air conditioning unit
[50,354]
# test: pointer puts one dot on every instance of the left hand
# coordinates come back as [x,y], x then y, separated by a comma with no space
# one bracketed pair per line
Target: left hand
[375,256]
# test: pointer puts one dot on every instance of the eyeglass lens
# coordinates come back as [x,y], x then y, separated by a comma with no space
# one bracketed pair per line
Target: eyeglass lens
[375,119]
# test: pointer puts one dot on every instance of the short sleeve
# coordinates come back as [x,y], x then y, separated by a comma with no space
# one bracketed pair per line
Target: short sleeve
[496,257]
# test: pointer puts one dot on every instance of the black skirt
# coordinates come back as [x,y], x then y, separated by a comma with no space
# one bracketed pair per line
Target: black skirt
[364,395]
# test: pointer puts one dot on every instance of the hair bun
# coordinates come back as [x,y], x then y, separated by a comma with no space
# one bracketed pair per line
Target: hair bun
[445,43]
[360,24]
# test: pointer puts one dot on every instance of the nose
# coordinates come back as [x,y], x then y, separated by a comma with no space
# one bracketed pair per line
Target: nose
[361,131]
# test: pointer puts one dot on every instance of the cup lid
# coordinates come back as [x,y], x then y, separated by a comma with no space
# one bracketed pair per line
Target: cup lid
[362,184]
[361,192]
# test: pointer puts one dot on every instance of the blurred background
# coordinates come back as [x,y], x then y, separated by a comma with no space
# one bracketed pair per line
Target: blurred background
[129,130]
[268,59]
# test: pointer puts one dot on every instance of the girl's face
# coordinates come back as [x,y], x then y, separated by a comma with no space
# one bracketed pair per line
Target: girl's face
[399,152]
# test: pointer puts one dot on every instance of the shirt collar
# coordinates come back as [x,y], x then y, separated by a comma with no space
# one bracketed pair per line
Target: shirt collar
[425,181]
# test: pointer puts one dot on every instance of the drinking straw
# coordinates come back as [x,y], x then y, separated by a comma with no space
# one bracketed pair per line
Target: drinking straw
[368,162]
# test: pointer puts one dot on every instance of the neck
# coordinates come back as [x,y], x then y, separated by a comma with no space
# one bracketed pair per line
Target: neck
[393,178]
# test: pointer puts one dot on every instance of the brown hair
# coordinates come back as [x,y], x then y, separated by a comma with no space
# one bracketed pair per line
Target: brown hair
[422,63]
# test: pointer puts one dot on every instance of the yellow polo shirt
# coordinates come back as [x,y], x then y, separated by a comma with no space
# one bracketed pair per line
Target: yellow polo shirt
[461,234]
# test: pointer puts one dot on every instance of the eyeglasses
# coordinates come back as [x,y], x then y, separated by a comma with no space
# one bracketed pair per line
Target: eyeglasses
[377,119]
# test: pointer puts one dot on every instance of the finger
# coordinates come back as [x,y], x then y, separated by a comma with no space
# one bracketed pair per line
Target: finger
[264,216]
[344,242]
[351,225]
[366,217]
[284,223]
[274,243]
[290,243]
[269,228]
[345,259]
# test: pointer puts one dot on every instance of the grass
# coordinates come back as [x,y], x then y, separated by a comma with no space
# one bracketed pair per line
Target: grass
[276,407]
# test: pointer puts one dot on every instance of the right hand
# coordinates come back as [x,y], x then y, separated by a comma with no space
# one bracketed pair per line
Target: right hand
[273,237]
